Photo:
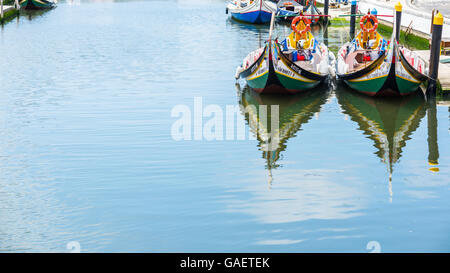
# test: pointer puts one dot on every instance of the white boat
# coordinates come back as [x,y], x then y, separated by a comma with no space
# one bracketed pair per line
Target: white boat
[252,11]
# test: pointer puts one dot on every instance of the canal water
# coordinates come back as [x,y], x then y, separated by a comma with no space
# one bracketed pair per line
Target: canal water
[88,160]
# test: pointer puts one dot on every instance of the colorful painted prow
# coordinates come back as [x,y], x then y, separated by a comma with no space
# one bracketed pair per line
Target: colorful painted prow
[377,67]
[296,64]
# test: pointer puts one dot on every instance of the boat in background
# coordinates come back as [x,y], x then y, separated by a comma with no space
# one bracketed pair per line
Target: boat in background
[252,11]
[37,4]
[377,67]
[298,63]
[288,9]
[311,9]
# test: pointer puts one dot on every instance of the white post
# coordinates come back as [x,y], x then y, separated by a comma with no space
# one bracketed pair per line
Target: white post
[17,4]
[2,8]
[272,21]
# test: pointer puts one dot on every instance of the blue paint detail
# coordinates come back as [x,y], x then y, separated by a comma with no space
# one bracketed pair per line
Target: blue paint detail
[374,11]
[284,45]
[354,3]
[255,17]
[283,12]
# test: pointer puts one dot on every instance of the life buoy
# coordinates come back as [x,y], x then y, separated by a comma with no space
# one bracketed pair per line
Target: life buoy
[305,20]
[369,17]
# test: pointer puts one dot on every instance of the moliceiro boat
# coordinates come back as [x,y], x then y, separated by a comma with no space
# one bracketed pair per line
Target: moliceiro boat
[296,64]
[37,4]
[251,11]
[376,67]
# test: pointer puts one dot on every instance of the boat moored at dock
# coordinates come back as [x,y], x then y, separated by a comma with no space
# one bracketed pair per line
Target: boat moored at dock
[298,63]
[377,67]
[251,11]
[287,10]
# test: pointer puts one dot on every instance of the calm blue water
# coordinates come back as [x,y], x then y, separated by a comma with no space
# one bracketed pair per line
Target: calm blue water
[87,155]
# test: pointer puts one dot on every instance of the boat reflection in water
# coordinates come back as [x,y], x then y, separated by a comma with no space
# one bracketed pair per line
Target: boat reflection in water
[388,122]
[271,132]
[299,192]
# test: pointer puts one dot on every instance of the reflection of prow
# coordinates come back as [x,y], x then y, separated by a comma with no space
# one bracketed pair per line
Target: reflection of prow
[275,119]
[388,122]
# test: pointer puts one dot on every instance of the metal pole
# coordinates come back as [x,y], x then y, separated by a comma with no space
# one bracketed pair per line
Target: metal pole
[325,10]
[352,20]
[398,20]
[435,54]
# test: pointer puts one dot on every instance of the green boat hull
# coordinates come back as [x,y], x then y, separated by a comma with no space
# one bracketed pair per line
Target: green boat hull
[271,78]
[390,75]
[258,82]
[369,87]
[406,87]
[391,84]
[293,84]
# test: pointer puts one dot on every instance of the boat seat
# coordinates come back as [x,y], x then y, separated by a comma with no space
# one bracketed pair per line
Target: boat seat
[359,57]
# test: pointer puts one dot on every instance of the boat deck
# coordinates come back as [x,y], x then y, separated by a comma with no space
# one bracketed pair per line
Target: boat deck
[306,65]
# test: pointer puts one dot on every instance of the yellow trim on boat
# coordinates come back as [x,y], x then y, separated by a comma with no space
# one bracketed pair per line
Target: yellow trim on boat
[407,79]
[289,67]
[259,76]
[297,79]
[364,80]
[259,66]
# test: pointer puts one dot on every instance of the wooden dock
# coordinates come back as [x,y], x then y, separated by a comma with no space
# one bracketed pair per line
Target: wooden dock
[444,69]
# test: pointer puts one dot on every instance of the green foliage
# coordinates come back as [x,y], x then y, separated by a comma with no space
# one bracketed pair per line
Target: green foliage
[411,41]
[339,22]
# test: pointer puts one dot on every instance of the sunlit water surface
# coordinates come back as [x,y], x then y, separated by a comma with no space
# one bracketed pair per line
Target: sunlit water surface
[87,155]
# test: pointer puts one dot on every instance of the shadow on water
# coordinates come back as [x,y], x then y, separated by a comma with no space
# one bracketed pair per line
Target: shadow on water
[260,112]
[247,26]
[388,122]
[34,14]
